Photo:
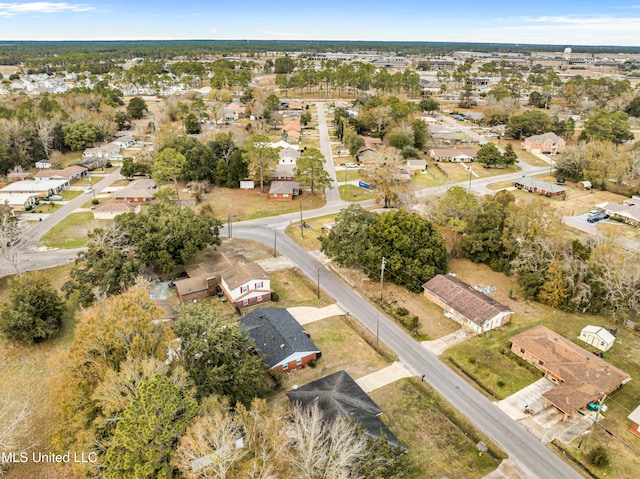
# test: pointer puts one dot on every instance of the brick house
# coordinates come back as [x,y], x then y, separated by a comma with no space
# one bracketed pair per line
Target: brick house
[634,417]
[534,185]
[546,143]
[465,305]
[279,339]
[243,283]
[454,155]
[284,190]
[580,376]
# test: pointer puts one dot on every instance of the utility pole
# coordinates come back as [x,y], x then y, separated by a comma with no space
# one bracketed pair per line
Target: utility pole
[382,275]
[229,225]
[469,187]
[275,239]
[301,222]
[378,333]
[318,270]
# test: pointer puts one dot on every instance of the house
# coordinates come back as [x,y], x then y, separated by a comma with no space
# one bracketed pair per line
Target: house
[465,305]
[284,190]
[206,271]
[546,143]
[283,173]
[458,155]
[139,191]
[628,211]
[580,376]
[124,141]
[289,156]
[18,176]
[634,417]
[279,339]
[371,143]
[598,337]
[242,283]
[191,289]
[110,151]
[339,396]
[43,164]
[413,166]
[534,185]
[38,188]
[295,105]
[584,185]
[26,201]
[71,173]
[111,209]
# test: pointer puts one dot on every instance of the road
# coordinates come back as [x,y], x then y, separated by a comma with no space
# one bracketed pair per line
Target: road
[524,449]
[332,195]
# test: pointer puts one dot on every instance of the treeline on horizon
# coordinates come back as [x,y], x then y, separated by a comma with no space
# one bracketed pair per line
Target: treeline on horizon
[20,52]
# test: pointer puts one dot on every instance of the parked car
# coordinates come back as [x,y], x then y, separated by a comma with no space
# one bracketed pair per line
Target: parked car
[88,189]
[598,217]
[351,165]
[55,198]
[13,241]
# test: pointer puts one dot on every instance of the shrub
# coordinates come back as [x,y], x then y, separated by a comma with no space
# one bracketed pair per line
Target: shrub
[402,311]
[599,456]
[500,383]
[275,297]
[95,201]
[312,363]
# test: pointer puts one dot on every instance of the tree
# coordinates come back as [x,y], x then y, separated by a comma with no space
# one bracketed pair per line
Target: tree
[354,142]
[466,97]
[634,107]
[136,108]
[166,235]
[218,357]
[509,157]
[489,155]
[284,65]
[454,211]
[10,228]
[168,167]
[119,330]
[108,266]
[428,104]
[148,431]
[33,310]
[44,130]
[14,424]
[199,159]
[349,236]
[568,129]
[310,169]
[79,133]
[532,122]
[413,249]
[555,291]
[399,140]
[482,242]
[419,128]
[323,448]
[260,157]
[601,125]
[192,124]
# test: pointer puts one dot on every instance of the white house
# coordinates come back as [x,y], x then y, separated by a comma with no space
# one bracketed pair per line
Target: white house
[108,211]
[124,141]
[43,164]
[244,284]
[598,337]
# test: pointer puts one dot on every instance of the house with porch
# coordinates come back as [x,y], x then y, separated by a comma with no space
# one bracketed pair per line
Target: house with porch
[284,190]
[456,155]
[534,185]
[279,339]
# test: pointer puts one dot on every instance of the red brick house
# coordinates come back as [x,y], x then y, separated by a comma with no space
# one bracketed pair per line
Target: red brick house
[634,417]
[279,339]
[284,190]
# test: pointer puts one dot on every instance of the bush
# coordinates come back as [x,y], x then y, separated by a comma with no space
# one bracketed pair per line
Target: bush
[402,311]
[599,456]
[95,201]
[500,383]
[411,323]
[312,363]
[275,297]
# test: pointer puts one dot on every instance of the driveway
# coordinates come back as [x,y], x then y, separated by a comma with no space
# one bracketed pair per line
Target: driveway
[385,376]
[440,345]
[307,314]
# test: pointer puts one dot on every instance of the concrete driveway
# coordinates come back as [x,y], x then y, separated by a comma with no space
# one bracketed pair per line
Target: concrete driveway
[308,314]
[440,345]
[385,376]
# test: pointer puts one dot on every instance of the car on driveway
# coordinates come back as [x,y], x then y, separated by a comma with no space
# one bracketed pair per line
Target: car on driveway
[351,165]
[13,241]
[88,189]
[599,217]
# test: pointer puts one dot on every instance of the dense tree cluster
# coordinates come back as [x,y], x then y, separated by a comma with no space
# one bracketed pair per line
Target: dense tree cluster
[413,250]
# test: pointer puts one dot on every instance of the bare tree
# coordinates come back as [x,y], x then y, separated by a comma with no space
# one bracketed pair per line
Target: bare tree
[14,424]
[10,231]
[322,448]
[44,130]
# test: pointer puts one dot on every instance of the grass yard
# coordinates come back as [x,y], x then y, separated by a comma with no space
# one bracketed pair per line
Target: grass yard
[70,158]
[295,289]
[46,208]
[440,441]
[432,323]
[70,194]
[354,193]
[352,174]
[71,232]
[251,204]
[310,241]
[26,370]
[456,174]
[498,373]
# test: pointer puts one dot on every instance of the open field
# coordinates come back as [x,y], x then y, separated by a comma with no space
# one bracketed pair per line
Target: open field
[71,232]
[488,363]
[310,240]
[440,441]
[251,204]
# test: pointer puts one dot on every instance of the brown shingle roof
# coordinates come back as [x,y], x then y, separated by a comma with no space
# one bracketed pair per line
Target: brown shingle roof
[472,304]
[240,273]
[114,206]
[191,285]
[207,270]
[585,376]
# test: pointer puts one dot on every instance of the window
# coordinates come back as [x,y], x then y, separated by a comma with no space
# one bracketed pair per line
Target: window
[259,298]
[285,195]
[244,289]
[259,284]
[298,362]
[522,350]
[540,362]
[245,302]
[285,366]
[601,343]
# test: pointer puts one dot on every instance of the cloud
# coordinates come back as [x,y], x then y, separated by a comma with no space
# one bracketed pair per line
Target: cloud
[11,9]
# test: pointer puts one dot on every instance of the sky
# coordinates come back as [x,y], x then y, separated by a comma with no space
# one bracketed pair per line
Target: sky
[568,22]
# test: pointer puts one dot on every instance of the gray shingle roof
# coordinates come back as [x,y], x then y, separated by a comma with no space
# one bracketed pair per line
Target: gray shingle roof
[276,333]
[338,395]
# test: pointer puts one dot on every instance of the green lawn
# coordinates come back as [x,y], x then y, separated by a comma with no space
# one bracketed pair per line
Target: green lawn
[440,441]
[70,194]
[310,240]
[71,232]
[354,193]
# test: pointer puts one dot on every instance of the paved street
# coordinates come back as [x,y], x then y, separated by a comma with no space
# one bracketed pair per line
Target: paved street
[333,196]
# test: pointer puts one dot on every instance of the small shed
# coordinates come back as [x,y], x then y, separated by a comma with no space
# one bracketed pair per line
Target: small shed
[247,184]
[584,185]
[598,337]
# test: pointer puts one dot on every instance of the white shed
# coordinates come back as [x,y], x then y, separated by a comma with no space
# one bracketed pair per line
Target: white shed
[247,184]
[598,337]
